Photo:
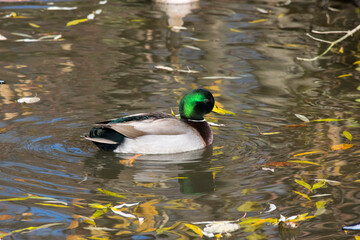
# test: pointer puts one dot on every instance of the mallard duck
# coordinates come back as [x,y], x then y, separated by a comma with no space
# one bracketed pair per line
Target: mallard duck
[157,132]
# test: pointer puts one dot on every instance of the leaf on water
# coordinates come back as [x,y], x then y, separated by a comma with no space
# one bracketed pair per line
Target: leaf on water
[97,214]
[34,25]
[281,15]
[303,195]
[52,205]
[13,15]
[235,30]
[91,16]
[161,230]
[222,111]
[306,162]
[307,153]
[259,20]
[304,184]
[196,229]
[341,50]
[192,47]
[296,125]
[111,193]
[77,21]
[327,120]
[356,62]
[2,37]
[302,118]
[262,10]
[320,206]
[348,135]
[277,164]
[343,146]
[249,206]
[357,237]
[272,207]
[166,68]
[4,217]
[345,75]
[73,224]
[123,214]
[28,100]
[269,133]
[197,39]
[97,206]
[352,227]
[268,169]
[265,220]
[318,185]
[102,2]
[30,229]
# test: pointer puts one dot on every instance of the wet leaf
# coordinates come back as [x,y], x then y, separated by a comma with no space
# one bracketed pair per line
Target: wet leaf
[6,217]
[327,120]
[345,75]
[343,146]
[304,184]
[303,195]
[30,229]
[34,25]
[348,135]
[196,229]
[161,230]
[268,169]
[52,205]
[73,224]
[97,206]
[307,153]
[111,193]
[269,133]
[259,20]
[318,185]
[306,162]
[235,30]
[352,227]
[302,118]
[249,206]
[272,207]
[28,100]
[320,206]
[77,21]
[2,37]
[97,214]
[222,111]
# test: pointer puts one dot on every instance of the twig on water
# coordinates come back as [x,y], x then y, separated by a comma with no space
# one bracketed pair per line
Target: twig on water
[332,44]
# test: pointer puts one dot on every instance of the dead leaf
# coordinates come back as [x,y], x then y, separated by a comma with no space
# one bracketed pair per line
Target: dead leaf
[343,146]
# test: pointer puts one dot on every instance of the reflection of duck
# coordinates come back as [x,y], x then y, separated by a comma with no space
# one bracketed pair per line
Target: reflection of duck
[159,133]
[176,10]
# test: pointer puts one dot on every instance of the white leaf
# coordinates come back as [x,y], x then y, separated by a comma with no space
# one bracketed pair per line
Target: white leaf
[272,207]
[91,16]
[268,169]
[302,117]
[28,100]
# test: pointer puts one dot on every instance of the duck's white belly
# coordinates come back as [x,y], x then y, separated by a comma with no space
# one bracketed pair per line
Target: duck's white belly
[161,144]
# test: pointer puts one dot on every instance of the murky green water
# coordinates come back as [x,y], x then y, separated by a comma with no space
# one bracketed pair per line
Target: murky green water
[107,67]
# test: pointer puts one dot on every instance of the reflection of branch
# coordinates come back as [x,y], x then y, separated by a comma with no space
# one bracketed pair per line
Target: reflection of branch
[332,44]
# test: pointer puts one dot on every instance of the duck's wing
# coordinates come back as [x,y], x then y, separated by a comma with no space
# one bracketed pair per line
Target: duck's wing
[150,126]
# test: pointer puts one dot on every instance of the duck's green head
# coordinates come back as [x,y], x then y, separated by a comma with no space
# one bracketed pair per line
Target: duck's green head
[196,104]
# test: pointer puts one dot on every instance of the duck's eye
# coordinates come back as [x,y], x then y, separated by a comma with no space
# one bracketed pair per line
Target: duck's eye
[207,100]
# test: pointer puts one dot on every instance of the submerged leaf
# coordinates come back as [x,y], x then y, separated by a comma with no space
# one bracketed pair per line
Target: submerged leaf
[307,153]
[306,162]
[249,206]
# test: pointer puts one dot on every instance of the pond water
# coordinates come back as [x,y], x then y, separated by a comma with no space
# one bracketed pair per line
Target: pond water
[56,185]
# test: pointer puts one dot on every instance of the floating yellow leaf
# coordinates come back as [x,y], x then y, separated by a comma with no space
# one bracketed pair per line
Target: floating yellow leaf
[348,135]
[269,133]
[307,153]
[110,193]
[303,195]
[161,230]
[52,205]
[327,120]
[14,15]
[318,184]
[343,146]
[196,229]
[222,111]
[345,75]
[77,21]
[235,30]
[249,206]
[341,50]
[30,229]
[281,15]
[34,25]
[356,62]
[266,220]
[306,162]
[97,206]
[97,214]
[259,20]
[304,184]
[357,237]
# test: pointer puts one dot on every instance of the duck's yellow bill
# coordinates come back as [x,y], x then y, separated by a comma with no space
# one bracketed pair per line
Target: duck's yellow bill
[222,111]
